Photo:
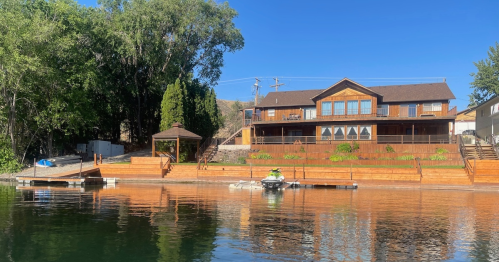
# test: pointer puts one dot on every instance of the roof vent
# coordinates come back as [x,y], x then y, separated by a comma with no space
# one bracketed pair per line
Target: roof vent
[276,100]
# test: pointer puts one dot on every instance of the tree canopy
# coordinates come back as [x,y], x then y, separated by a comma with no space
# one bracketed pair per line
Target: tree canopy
[70,73]
[486,79]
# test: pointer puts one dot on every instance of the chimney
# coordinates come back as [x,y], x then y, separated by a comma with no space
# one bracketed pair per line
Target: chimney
[444,79]
[276,100]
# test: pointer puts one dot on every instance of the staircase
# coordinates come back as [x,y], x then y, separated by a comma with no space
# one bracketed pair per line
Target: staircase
[208,149]
[233,136]
[470,151]
[441,176]
[487,152]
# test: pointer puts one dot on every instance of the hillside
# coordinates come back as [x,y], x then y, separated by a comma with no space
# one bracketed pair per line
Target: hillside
[231,124]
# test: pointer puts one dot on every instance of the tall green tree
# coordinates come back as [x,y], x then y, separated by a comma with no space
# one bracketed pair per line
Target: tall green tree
[172,106]
[486,79]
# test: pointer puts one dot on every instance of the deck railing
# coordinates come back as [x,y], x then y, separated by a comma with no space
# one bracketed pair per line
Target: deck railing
[381,139]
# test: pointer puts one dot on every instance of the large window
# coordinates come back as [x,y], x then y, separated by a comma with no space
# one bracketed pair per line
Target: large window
[408,110]
[326,108]
[365,107]
[383,110]
[365,133]
[353,107]
[339,133]
[431,107]
[309,113]
[339,108]
[352,132]
[271,112]
[326,132]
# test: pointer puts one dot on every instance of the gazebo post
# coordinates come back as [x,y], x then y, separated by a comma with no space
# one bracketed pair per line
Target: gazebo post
[197,151]
[178,147]
[153,147]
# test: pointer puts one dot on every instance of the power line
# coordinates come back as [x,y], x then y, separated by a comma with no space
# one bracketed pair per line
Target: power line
[255,88]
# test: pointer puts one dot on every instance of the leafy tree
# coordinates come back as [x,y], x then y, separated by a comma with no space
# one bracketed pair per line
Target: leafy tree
[172,106]
[8,161]
[486,79]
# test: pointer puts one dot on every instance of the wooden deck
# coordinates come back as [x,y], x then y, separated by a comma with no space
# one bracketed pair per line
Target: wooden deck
[89,175]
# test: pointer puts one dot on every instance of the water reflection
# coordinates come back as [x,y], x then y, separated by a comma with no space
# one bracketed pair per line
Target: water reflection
[185,222]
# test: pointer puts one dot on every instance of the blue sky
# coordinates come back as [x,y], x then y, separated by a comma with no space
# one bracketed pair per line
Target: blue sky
[313,44]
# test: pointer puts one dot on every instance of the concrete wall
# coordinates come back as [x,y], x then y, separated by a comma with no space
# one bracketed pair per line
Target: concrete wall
[484,121]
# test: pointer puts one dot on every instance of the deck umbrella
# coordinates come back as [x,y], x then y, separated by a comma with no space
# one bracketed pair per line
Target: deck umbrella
[176,133]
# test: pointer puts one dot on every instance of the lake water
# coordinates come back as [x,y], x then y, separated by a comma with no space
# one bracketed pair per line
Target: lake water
[207,222]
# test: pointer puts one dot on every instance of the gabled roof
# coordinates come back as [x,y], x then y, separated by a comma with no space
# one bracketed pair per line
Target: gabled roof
[177,131]
[290,98]
[414,92]
[346,80]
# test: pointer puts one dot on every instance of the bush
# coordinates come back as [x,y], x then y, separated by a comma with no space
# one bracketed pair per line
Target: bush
[385,158]
[302,150]
[8,161]
[343,148]
[355,146]
[389,149]
[291,157]
[442,151]
[406,157]
[241,160]
[261,156]
[339,158]
[438,157]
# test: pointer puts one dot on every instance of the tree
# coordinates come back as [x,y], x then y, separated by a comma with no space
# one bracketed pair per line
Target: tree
[486,80]
[172,106]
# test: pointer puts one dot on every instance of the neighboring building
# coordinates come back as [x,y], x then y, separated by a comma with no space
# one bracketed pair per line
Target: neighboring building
[417,113]
[465,120]
[487,118]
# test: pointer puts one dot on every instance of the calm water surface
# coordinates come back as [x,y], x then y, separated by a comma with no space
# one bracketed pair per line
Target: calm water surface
[200,222]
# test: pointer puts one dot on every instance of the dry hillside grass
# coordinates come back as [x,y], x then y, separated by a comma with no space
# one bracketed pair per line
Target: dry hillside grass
[225,107]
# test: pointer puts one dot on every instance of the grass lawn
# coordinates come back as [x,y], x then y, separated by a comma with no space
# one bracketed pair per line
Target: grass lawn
[121,163]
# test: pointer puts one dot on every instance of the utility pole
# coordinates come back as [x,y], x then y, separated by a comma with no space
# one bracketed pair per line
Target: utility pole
[277,85]
[255,88]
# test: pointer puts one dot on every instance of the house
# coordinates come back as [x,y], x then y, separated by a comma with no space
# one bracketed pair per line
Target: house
[465,120]
[417,113]
[487,118]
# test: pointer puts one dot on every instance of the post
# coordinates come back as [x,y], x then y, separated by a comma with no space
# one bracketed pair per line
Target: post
[81,165]
[178,148]
[95,159]
[197,151]
[294,171]
[303,171]
[251,170]
[282,135]
[153,147]
[100,158]
[413,133]
[34,165]
[474,170]
[351,171]
[429,139]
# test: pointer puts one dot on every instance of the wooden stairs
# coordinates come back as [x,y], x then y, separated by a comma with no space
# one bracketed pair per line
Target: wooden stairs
[441,176]
[139,168]
[232,137]
[487,152]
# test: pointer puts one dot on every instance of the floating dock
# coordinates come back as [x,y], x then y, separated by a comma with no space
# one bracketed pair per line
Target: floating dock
[347,184]
[87,176]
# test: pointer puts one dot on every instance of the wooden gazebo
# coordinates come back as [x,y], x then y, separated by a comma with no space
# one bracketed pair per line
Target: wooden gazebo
[176,133]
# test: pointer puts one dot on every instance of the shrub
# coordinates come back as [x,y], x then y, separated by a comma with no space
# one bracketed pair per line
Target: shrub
[291,157]
[389,149]
[336,158]
[8,161]
[327,152]
[438,157]
[339,158]
[406,157]
[241,160]
[442,151]
[385,158]
[355,146]
[343,148]
[261,156]
[302,149]
[261,151]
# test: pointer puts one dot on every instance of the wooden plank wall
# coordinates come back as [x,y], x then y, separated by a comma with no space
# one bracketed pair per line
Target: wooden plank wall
[394,108]
[327,162]
[279,112]
[370,156]
[486,171]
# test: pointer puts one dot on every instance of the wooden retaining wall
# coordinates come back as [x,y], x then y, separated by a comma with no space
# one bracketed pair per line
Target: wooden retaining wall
[364,148]
[486,171]
[373,156]
[328,162]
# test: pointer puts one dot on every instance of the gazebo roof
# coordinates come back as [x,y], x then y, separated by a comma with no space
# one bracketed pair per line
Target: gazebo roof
[177,131]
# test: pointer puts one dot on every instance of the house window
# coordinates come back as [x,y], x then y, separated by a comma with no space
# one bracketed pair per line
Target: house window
[326,132]
[352,132]
[339,133]
[271,112]
[365,107]
[339,108]
[326,108]
[365,133]
[309,113]
[431,107]
[408,110]
[383,110]
[353,107]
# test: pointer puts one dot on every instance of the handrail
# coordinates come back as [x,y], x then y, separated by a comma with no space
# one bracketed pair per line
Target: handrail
[469,169]
[479,147]
[462,147]
[209,142]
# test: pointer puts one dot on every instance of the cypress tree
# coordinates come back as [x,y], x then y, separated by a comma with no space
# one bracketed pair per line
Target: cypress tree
[172,105]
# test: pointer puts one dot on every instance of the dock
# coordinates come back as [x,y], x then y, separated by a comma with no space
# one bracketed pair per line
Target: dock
[87,176]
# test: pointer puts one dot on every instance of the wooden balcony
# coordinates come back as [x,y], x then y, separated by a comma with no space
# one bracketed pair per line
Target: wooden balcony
[380,139]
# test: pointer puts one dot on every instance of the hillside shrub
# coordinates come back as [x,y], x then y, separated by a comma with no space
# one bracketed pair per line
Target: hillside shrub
[241,160]
[302,149]
[291,157]
[442,151]
[438,157]
[339,157]
[385,158]
[389,149]
[8,161]
[406,157]
[355,146]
